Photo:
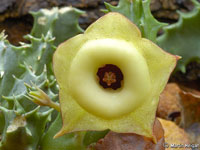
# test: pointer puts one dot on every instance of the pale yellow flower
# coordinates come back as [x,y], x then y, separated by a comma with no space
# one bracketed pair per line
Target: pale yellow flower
[111,78]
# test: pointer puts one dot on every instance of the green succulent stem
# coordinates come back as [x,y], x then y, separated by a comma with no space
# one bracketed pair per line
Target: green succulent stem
[32,63]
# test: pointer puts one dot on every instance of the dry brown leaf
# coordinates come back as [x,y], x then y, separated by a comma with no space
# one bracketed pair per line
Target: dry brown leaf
[174,135]
[169,106]
[190,101]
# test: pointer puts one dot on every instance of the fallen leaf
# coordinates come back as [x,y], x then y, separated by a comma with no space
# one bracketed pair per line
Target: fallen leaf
[190,101]
[169,106]
[174,135]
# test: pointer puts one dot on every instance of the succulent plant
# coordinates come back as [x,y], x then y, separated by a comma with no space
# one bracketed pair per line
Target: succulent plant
[21,68]
[138,11]
[182,38]
[61,23]
[110,78]
[23,130]
[19,116]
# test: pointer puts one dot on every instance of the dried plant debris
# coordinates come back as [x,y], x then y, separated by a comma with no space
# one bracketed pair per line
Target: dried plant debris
[181,106]
[174,135]
[190,100]
[194,132]
[130,141]
[169,106]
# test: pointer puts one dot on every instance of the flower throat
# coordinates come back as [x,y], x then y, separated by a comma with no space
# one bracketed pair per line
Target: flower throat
[110,76]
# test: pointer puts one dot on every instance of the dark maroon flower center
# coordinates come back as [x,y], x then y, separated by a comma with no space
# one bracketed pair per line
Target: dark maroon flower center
[110,76]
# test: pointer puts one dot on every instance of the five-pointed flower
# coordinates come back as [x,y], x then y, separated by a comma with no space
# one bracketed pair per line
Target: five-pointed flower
[111,78]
